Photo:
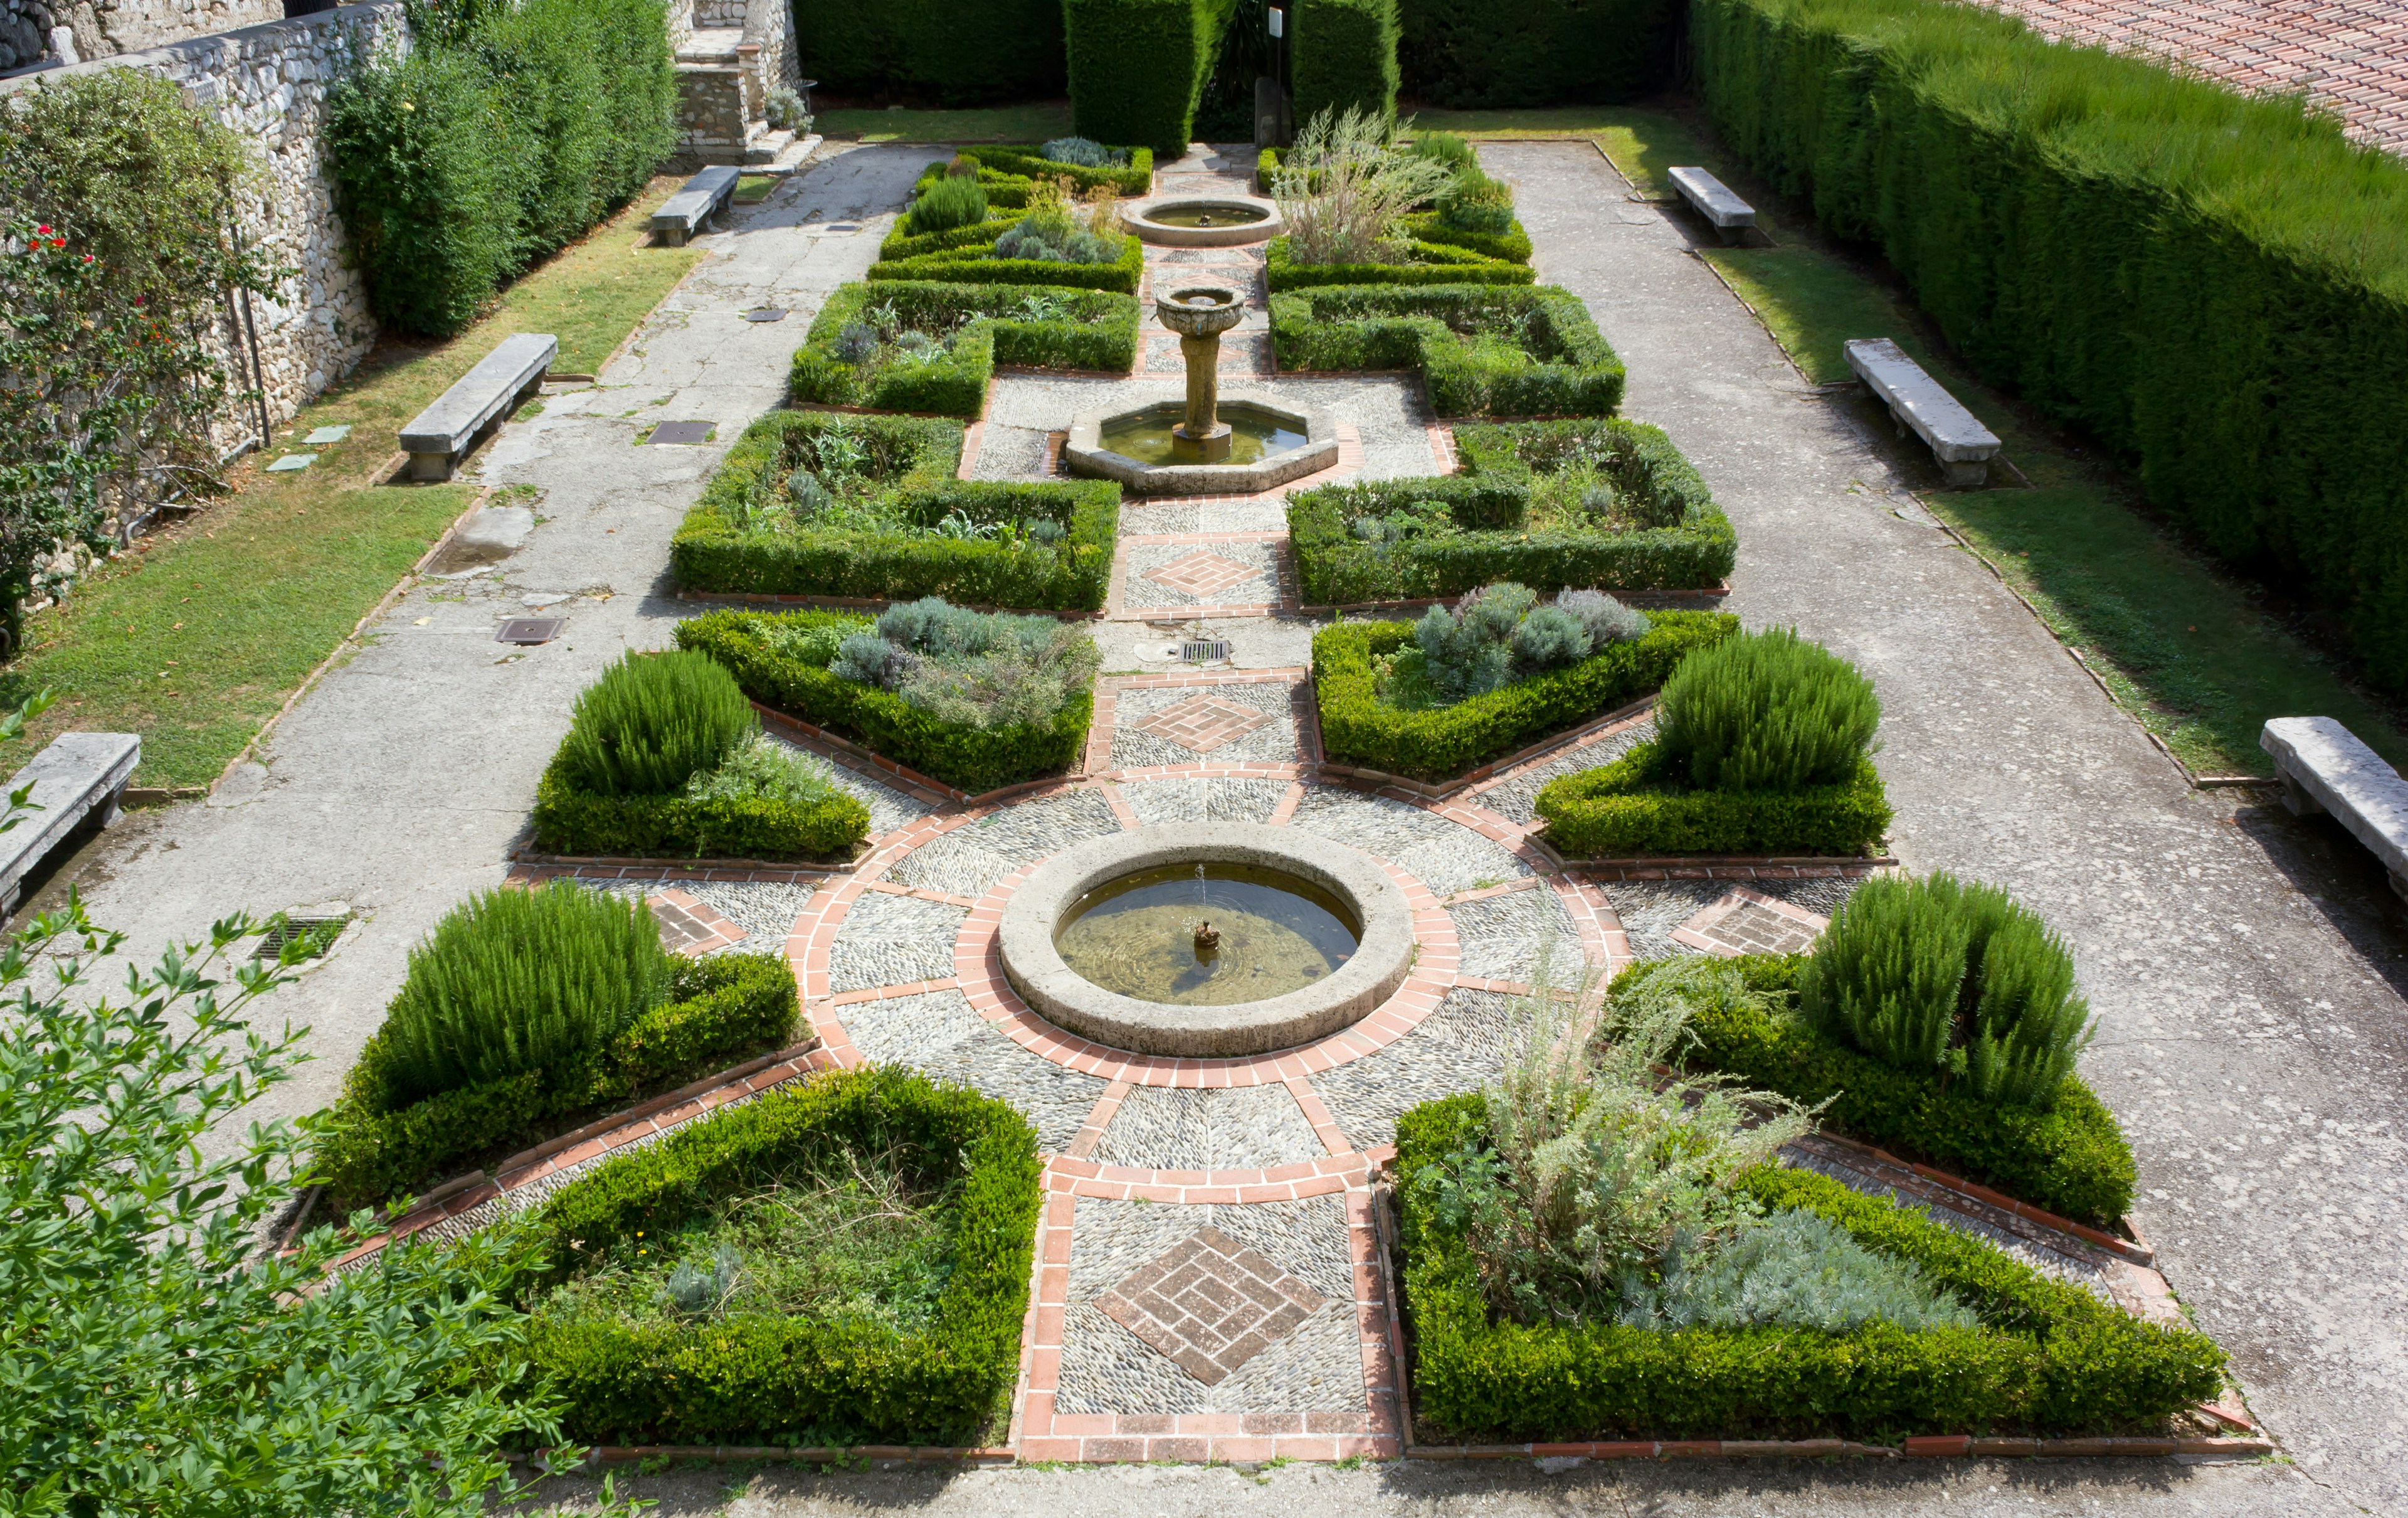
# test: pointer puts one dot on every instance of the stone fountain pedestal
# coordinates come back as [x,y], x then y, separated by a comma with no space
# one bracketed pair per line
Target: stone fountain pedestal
[1202,439]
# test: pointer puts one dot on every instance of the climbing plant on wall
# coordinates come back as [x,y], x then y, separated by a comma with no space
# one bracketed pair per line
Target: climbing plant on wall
[118,272]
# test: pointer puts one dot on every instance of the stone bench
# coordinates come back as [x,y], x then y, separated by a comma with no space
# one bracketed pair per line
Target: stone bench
[682,214]
[1917,402]
[1729,215]
[442,434]
[80,778]
[2325,768]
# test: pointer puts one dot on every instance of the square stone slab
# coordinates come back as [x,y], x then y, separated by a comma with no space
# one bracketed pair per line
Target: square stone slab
[1204,723]
[1202,573]
[1745,922]
[1210,1303]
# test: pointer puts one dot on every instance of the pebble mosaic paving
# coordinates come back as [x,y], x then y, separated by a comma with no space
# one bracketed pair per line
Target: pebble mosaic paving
[1141,714]
[1220,799]
[766,910]
[973,859]
[1651,909]
[889,808]
[1172,575]
[1457,1048]
[1515,797]
[936,1032]
[1228,1128]
[1445,855]
[1503,937]
[891,940]
[1316,1368]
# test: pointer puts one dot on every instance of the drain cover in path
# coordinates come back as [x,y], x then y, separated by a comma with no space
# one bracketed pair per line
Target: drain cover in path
[767,313]
[530,630]
[681,432]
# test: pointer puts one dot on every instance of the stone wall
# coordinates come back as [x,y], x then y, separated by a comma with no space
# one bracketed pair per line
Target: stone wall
[106,27]
[270,83]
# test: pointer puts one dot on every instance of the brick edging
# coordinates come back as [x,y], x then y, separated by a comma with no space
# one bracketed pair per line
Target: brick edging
[1585,734]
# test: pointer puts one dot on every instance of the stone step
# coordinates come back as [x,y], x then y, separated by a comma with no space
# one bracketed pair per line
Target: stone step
[711,45]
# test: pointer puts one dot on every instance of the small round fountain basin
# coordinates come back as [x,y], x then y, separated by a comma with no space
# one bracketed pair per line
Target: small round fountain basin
[1270,933]
[1145,436]
[1218,221]
[1069,903]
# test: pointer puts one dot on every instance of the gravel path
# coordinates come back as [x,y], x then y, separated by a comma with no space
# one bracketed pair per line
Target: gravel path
[938,1032]
[1232,1128]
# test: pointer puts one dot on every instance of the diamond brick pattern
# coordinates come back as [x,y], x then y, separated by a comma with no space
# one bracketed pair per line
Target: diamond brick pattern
[1204,723]
[1744,922]
[1210,1303]
[1202,573]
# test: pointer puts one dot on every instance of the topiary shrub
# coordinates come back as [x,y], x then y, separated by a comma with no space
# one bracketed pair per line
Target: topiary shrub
[518,982]
[1476,203]
[1960,981]
[652,723]
[1139,67]
[1767,711]
[1343,56]
[1466,54]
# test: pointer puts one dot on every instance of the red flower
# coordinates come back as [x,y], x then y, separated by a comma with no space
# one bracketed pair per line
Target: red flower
[58,243]
[42,230]
[88,258]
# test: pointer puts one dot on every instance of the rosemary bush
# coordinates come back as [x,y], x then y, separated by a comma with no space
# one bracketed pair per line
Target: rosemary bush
[1767,712]
[1960,979]
[516,982]
[652,723]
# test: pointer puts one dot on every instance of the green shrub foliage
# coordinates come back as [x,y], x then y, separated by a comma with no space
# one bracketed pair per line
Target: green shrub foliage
[2217,285]
[2047,1356]
[652,723]
[946,202]
[849,357]
[1465,54]
[1482,351]
[1769,712]
[501,134]
[1397,540]
[520,981]
[784,661]
[756,1378]
[1442,743]
[1642,803]
[952,52]
[1139,67]
[377,1144]
[1957,979]
[1344,54]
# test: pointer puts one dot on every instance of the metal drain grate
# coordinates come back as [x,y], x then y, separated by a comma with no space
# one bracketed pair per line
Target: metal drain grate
[271,944]
[530,630]
[685,432]
[765,314]
[1196,652]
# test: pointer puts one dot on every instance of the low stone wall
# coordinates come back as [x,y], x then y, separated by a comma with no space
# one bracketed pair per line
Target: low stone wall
[270,83]
[106,27]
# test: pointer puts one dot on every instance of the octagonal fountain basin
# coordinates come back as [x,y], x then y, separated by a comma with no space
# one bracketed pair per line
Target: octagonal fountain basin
[1214,222]
[1307,938]
[1270,444]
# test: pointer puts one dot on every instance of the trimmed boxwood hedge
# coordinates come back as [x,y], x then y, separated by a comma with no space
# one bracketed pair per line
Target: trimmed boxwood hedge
[720,1012]
[2215,284]
[1475,54]
[971,759]
[970,263]
[711,553]
[1628,807]
[1343,55]
[1138,67]
[1356,727]
[758,1378]
[1007,169]
[2069,1158]
[568,821]
[954,52]
[1490,503]
[1513,245]
[2049,1358]
[1439,263]
[1097,331]
[1574,373]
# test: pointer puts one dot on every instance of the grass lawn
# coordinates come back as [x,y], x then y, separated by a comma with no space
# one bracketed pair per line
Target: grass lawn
[2183,647]
[1036,122]
[198,637]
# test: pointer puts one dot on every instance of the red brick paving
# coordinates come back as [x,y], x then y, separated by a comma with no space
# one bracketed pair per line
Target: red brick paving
[1204,723]
[1203,574]
[1209,1303]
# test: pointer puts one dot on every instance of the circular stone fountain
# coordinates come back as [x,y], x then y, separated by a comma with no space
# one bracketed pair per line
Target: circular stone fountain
[1305,936]
[1191,222]
[1242,445]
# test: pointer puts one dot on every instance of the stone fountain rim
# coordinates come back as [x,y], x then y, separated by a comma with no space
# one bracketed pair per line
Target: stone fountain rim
[1138,215]
[1084,450]
[1382,959]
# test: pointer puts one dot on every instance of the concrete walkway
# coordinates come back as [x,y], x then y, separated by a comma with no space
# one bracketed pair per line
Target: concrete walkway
[396,785]
[2254,1056]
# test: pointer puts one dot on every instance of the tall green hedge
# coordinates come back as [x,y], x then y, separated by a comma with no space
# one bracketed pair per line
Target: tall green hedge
[491,144]
[1344,54]
[1475,54]
[2215,286]
[1138,67]
[956,52]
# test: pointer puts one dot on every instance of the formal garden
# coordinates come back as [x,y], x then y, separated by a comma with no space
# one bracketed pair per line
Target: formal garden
[921,1017]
